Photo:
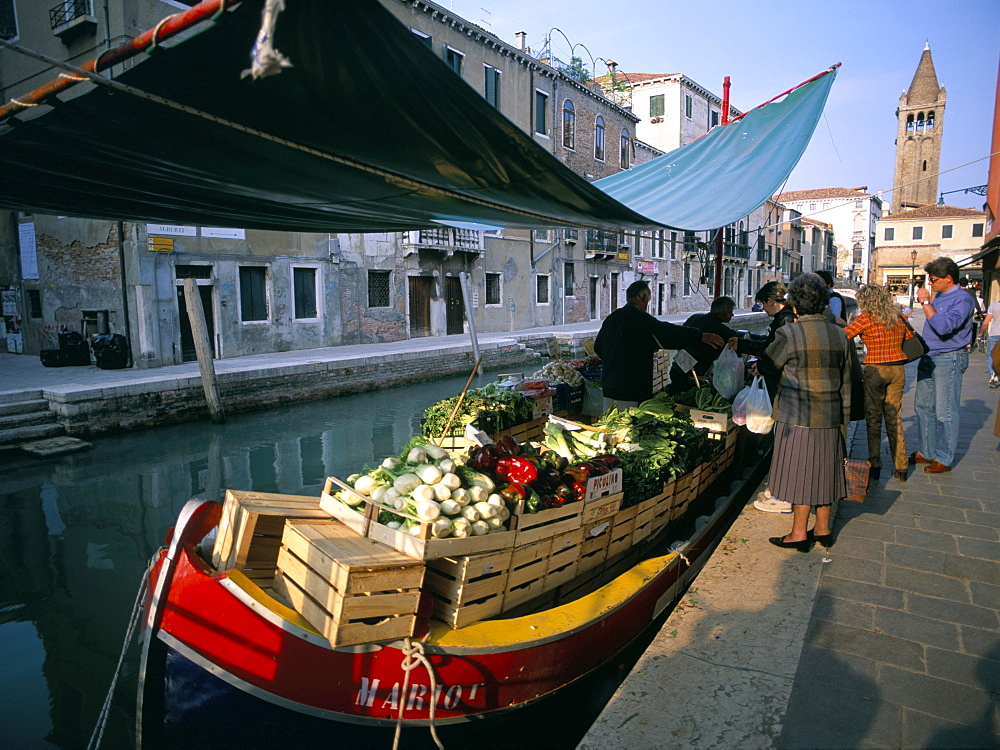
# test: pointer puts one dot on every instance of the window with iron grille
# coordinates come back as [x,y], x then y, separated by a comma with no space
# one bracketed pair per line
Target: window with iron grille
[542,289]
[569,280]
[492,289]
[192,272]
[378,288]
[304,292]
[253,293]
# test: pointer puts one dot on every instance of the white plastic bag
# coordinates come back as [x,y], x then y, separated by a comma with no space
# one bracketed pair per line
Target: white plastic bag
[740,405]
[758,408]
[728,373]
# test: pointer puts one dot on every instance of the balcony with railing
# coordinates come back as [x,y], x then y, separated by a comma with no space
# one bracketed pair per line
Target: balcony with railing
[446,239]
[602,245]
[71,18]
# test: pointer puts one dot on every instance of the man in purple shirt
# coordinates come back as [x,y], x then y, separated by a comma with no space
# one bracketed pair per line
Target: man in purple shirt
[938,395]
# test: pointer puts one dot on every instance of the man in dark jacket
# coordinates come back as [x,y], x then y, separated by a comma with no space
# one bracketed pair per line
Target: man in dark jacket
[627,341]
[714,321]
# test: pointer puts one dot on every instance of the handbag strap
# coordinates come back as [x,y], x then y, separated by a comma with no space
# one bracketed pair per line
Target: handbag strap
[907,324]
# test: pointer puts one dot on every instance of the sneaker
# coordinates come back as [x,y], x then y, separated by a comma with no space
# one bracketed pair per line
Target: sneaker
[772,505]
[994,383]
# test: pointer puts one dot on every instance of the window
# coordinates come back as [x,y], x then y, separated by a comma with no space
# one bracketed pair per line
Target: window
[571,234]
[192,272]
[977,230]
[423,38]
[918,233]
[8,20]
[253,293]
[454,58]
[542,289]
[624,160]
[909,122]
[857,255]
[541,110]
[930,120]
[812,206]
[859,204]
[378,288]
[656,105]
[687,279]
[34,303]
[491,89]
[946,231]
[569,281]
[713,119]
[569,125]
[688,106]
[542,235]
[890,234]
[599,139]
[493,289]
[673,291]
[304,292]
[673,246]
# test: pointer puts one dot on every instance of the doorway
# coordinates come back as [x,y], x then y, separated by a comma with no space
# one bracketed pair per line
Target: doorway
[614,292]
[593,298]
[454,307]
[188,352]
[421,290]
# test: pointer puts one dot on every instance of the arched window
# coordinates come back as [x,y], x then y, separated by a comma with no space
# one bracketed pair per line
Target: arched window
[599,139]
[624,160]
[930,121]
[909,122]
[857,255]
[920,121]
[569,124]
[924,168]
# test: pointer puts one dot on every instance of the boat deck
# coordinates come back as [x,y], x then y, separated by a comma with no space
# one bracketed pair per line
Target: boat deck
[889,639]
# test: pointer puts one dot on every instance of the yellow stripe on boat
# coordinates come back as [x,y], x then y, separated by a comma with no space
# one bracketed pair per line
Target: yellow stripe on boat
[551,623]
[267,601]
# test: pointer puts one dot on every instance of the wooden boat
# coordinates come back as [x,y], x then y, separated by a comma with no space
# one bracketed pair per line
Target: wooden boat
[223,659]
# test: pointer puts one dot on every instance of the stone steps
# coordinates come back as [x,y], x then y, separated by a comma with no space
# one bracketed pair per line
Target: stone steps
[23,407]
[25,416]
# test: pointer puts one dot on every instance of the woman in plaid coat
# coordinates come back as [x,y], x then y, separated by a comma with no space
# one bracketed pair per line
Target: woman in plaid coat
[811,360]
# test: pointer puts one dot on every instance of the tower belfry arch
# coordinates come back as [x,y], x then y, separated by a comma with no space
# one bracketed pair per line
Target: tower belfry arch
[919,129]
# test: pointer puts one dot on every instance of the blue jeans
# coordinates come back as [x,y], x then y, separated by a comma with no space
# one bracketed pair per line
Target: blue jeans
[937,399]
[989,360]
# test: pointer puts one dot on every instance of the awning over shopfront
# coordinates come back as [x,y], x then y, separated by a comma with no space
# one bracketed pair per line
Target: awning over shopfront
[367,131]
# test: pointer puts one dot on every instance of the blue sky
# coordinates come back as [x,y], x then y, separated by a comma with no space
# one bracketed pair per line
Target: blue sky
[768,47]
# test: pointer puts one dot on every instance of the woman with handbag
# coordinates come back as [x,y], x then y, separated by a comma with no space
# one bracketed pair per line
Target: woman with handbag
[812,361]
[882,330]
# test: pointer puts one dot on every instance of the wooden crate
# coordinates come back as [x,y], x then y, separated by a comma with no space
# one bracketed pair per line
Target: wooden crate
[596,535]
[603,508]
[532,527]
[525,432]
[645,512]
[250,530]
[563,559]
[421,547]
[661,370]
[527,572]
[621,532]
[351,589]
[468,588]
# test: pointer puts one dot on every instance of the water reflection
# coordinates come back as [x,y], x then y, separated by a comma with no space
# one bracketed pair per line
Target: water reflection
[76,534]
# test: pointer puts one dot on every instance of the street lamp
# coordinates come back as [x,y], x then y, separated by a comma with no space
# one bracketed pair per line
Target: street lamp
[913,263]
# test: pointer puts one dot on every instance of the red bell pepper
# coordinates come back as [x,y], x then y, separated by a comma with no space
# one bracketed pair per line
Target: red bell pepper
[508,446]
[516,469]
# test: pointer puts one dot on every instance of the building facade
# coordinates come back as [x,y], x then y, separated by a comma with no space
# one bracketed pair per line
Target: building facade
[919,130]
[908,240]
[279,291]
[852,213]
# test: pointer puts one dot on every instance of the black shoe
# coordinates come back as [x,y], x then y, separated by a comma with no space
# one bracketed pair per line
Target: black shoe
[825,540]
[804,546]
[901,475]
[874,472]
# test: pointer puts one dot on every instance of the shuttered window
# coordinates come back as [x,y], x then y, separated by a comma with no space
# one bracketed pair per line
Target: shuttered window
[253,293]
[304,292]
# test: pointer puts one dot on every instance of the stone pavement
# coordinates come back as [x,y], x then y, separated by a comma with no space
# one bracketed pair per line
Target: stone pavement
[889,639]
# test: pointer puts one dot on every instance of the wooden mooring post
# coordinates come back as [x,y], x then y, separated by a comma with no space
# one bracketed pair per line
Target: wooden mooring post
[203,348]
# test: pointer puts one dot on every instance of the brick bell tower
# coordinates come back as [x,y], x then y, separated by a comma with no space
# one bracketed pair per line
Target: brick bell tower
[920,125]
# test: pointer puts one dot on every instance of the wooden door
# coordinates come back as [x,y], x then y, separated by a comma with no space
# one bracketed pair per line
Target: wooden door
[421,291]
[594,291]
[188,353]
[454,308]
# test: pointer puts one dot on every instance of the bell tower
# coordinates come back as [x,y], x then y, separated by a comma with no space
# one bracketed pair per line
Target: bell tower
[920,125]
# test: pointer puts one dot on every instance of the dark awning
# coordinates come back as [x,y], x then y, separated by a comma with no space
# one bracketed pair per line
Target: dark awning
[368,131]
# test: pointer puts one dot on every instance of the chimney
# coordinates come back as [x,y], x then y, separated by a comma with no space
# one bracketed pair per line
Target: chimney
[522,40]
[612,65]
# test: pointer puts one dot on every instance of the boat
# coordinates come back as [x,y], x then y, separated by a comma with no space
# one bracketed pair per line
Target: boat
[218,648]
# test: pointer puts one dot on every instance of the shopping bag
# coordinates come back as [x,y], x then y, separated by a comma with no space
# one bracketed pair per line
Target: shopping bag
[758,408]
[857,471]
[740,405]
[728,373]
[914,347]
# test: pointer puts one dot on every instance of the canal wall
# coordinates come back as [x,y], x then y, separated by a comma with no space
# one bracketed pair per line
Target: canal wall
[155,401]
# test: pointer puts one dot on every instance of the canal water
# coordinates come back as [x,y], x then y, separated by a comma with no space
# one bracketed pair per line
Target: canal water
[77,532]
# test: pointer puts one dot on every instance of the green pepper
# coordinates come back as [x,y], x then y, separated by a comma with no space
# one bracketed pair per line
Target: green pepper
[514,492]
[533,503]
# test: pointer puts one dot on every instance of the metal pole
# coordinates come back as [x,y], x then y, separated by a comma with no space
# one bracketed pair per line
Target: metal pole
[913,263]
[467,300]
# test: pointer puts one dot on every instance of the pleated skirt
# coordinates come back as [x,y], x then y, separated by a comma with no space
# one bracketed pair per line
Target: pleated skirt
[808,465]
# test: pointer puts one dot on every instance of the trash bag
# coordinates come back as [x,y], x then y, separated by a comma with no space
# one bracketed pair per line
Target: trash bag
[74,348]
[110,350]
[740,405]
[593,399]
[758,408]
[728,373]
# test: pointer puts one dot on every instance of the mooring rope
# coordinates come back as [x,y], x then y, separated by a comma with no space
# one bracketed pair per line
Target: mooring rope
[413,657]
[102,718]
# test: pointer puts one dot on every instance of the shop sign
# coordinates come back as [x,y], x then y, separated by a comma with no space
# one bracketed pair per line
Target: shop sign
[645,266]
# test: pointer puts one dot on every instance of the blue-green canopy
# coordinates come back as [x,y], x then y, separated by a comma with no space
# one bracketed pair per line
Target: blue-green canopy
[368,131]
[726,174]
